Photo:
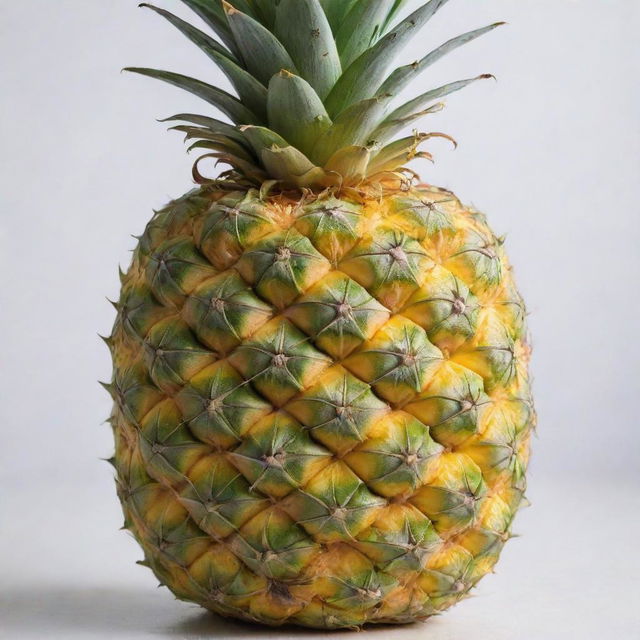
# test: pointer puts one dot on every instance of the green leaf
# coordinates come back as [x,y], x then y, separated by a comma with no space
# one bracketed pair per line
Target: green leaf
[354,126]
[211,12]
[263,54]
[350,164]
[410,107]
[265,11]
[217,126]
[364,76]
[403,76]
[248,169]
[251,92]
[229,105]
[261,138]
[199,38]
[246,6]
[399,152]
[393,12]
[292,167]
[219,143]
[390,127]
[302,27]
[295,111]
[336,10]
[359,28]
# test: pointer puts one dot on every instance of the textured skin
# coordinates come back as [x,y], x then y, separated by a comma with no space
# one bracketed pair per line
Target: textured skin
[321,408]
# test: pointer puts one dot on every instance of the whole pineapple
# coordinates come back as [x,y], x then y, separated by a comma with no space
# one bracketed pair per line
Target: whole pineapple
[321,404]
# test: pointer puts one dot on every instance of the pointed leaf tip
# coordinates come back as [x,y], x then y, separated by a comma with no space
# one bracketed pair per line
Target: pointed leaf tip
[229,9]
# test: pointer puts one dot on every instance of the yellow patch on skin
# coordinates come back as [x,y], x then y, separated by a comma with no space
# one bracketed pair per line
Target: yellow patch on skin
[360,514]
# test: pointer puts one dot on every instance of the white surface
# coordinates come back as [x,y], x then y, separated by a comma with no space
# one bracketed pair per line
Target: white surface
[573,574]
[551,152]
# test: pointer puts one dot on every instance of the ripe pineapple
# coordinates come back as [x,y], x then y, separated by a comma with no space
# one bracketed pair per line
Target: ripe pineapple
[321,404]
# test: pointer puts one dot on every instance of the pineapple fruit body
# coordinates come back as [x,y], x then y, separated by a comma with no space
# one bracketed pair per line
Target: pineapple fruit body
[321,404]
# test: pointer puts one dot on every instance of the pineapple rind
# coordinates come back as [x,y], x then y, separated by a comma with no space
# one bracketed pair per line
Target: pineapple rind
[321,407]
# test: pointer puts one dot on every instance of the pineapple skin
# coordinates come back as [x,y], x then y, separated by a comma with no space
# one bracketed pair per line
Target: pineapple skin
[322,410]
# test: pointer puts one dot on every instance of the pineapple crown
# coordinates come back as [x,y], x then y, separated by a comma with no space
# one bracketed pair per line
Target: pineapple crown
[315,105]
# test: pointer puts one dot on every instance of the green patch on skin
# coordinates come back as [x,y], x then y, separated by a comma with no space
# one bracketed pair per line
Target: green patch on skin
[282,266]
[338,411]
[232,224]
[279,361]
[175,268]
[338,314]
[223,311]
[219,406]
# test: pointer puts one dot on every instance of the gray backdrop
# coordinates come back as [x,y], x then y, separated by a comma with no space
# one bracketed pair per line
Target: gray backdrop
[551,152]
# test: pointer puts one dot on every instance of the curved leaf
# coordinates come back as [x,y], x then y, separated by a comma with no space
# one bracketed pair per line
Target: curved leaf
[410,107]
[359,29]
[229,105]
[263,54]
[364,76]
[354,126]
[265,11]
[393,12]
[336,11]
[390,127]
[251,92]
[292,167]
[261,138]
[402,76]
[302,27]
[221,143]
[212,13]
[217,126]
[198,37]
[350,163]
[397,153]
[295,111]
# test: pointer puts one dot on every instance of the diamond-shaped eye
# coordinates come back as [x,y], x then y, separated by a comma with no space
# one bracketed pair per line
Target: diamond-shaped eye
[279,361]
[491,353]
[398,456]
[232,225]
[282,266]
[448,575]
[220,406]
[388,264]
[397,361]
[218,497]
[271,544]
[501,445]
[451,404]
[401,539]
[332,225]
[510,307]
[334,506]
[339,314]
[223,311]
[175,269]
[338,411]
[278,455]
[166,444]
[167,525]
[173,355]
[445,308]
[139,309]
[425,215]
[476,260]
[451,499]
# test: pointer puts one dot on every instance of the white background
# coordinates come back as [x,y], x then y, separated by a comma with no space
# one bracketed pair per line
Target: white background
[551,152]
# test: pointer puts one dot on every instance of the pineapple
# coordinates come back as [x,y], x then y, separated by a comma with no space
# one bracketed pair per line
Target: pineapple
[321,408]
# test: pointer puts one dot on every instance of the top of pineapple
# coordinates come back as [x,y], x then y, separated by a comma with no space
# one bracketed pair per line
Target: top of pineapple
[315,103]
